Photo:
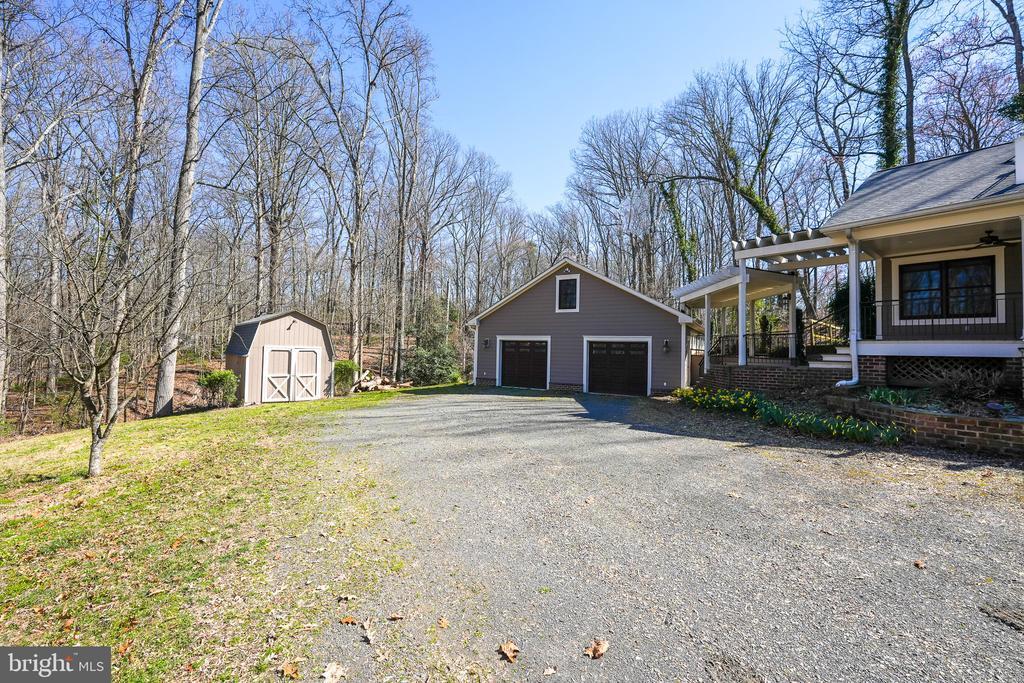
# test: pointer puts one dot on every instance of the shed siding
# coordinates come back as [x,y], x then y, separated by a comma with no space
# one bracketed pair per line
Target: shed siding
[288,330]
[604,310]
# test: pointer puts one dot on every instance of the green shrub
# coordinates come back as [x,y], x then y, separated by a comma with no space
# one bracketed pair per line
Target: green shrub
[437,365]
[345,373]
[220,387]
[774,414]
[893,397]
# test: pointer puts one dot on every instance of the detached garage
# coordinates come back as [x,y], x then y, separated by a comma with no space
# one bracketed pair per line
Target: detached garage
[284,356]
[573,328]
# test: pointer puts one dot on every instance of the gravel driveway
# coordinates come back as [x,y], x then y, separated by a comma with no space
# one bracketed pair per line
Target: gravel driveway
[699,545]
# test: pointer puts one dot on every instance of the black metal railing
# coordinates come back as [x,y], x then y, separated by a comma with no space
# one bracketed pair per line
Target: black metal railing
[762,348]
[992,318]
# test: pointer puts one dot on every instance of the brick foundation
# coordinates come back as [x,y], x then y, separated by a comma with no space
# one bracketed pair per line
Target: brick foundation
[770,378]
[978,434]
[484,382]
[566,387]
[872,370]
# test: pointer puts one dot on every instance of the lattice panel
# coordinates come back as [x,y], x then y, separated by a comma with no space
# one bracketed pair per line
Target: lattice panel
[925,371]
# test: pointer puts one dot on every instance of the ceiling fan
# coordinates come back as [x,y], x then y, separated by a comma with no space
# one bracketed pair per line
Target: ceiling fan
[991,240]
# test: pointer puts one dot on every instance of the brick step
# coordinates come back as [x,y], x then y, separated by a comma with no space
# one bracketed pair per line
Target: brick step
[831,364]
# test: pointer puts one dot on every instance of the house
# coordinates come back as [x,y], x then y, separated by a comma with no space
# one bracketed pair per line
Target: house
[284,356]
[944,236]
[573,328]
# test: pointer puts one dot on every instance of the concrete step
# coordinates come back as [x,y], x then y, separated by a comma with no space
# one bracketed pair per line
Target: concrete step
[837,357]
[830,364]
[843,350]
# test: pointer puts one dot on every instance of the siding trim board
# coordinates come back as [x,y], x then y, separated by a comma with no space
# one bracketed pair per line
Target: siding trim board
[518,337]
[586,356]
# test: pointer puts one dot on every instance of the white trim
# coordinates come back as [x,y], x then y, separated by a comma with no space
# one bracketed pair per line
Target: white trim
[684,358]
[586,356]
[476,351]
[558,284]
[245,383]
[292,377]
[999,286]
[520,337]
[815,244]
[956,349]
[680,316]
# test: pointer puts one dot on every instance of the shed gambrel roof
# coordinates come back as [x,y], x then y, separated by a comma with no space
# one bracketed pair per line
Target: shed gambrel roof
[244,333]
[984,175]
[682,317]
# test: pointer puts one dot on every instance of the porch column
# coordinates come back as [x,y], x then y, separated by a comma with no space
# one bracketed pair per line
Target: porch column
[854,277]
[1022,276]
[708,337]
[742,310]
[792,320]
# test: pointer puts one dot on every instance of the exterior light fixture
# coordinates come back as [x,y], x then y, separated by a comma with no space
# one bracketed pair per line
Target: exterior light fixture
[487,342]
[665,347]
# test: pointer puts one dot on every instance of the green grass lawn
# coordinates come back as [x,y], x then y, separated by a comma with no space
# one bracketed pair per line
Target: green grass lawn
[173,556]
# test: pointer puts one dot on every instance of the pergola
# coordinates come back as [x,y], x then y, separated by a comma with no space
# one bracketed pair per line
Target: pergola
[739,286]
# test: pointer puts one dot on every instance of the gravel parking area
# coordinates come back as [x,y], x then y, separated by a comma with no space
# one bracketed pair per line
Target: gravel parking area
[700,546]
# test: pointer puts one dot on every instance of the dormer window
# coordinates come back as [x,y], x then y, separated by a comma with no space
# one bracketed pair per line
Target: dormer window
[567,293]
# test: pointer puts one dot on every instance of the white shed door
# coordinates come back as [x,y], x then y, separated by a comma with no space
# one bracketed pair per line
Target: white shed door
[290,374]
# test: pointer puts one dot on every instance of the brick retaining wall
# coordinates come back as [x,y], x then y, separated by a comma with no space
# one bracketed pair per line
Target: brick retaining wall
[770,378]
[962,432]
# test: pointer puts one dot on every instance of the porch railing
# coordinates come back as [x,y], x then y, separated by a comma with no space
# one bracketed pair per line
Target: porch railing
[766,348]
[996,317]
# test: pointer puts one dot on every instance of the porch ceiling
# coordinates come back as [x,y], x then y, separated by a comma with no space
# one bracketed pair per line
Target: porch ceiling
[942,239]
[723,287]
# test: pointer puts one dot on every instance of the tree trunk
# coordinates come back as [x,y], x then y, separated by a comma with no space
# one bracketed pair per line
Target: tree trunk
[96,445]
[163,403]
[4,237]
[908,87]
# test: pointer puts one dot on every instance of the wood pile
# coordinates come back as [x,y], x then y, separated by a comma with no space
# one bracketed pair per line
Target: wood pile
[367,381]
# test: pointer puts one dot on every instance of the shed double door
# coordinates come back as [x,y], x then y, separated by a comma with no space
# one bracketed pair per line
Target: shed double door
[617,368]
[290,374]
[524,364]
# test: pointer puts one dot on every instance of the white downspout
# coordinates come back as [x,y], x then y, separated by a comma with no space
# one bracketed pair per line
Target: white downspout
[741,356]
[854,278]
[708,336]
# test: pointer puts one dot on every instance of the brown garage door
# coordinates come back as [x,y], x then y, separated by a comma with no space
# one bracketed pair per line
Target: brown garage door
[524,364]
[618,368]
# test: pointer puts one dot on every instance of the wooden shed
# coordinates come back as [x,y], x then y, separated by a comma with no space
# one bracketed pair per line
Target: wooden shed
[285,356]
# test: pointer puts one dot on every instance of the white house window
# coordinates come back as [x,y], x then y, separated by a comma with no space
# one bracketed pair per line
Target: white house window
[567,293]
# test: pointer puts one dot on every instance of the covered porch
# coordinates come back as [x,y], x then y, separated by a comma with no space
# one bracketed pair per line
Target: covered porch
[738,336]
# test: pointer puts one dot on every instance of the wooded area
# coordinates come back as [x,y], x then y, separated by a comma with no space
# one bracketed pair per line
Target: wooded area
[170,167]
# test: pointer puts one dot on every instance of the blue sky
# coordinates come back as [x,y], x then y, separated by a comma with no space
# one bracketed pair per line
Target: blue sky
[519,79]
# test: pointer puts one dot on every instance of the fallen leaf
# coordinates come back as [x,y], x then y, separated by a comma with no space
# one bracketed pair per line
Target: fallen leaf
[289,670]
[90,555]
[368,633]
[349,620]
[334,672]
[509,649]
[395,616]
[346,598]
[733,494]
[596,649]
[175,544]
[919,564]
[123,648]
[155,591]
[550,671]
[69,624]
[443,623]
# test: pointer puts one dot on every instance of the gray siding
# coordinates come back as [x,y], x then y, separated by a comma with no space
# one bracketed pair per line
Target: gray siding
[1011,286]
[605,310]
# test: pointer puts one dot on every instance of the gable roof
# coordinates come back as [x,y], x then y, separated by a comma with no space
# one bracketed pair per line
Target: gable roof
[982,176]
[244,333]
[682,317]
